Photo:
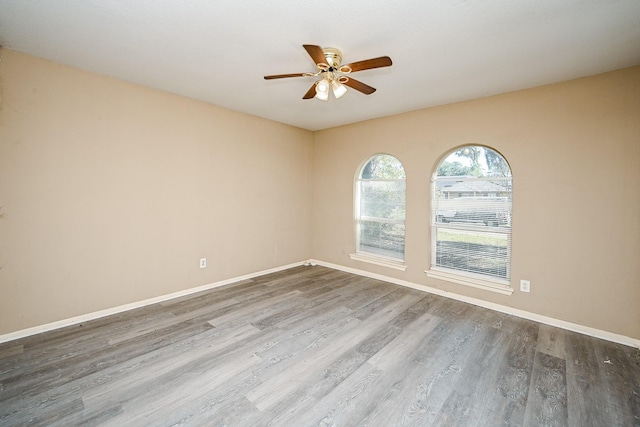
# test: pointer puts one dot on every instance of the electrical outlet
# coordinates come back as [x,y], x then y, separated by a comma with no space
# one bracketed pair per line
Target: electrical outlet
[525,286]
[203,262]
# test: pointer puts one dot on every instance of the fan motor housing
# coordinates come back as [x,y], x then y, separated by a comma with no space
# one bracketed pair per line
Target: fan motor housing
[333,57]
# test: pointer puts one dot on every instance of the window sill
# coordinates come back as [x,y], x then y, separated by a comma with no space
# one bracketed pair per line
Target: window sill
[379,260]
[499,286]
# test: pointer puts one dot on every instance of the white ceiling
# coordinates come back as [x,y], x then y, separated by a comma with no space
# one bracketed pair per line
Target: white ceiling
[218,51]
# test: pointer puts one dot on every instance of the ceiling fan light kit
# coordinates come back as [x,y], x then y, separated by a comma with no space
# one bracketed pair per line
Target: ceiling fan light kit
[338,89]
[333,74]
[322,89]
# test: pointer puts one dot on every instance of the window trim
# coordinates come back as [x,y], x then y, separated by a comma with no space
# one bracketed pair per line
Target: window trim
[381,260]
[470,279]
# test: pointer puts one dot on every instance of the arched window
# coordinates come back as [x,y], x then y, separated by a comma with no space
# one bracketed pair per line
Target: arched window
[471,219]
[380,209]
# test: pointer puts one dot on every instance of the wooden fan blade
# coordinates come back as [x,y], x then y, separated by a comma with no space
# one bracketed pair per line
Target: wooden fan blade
[359,86]
[311,92]
[367,64]
[316,53]
[282,76]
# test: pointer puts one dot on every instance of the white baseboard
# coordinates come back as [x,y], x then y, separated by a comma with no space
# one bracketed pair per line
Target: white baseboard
[597,333]
[109,311]
[586,330]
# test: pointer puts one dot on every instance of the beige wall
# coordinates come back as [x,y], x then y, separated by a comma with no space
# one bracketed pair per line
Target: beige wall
[574,149]
[110,193]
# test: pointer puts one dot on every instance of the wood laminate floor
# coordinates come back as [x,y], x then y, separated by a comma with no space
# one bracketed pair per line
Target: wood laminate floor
[312,346]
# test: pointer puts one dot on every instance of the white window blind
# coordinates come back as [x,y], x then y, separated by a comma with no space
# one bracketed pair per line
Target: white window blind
[471,214]
[380,208]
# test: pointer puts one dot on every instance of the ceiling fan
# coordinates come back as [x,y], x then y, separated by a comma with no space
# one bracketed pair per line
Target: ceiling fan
[333,75]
